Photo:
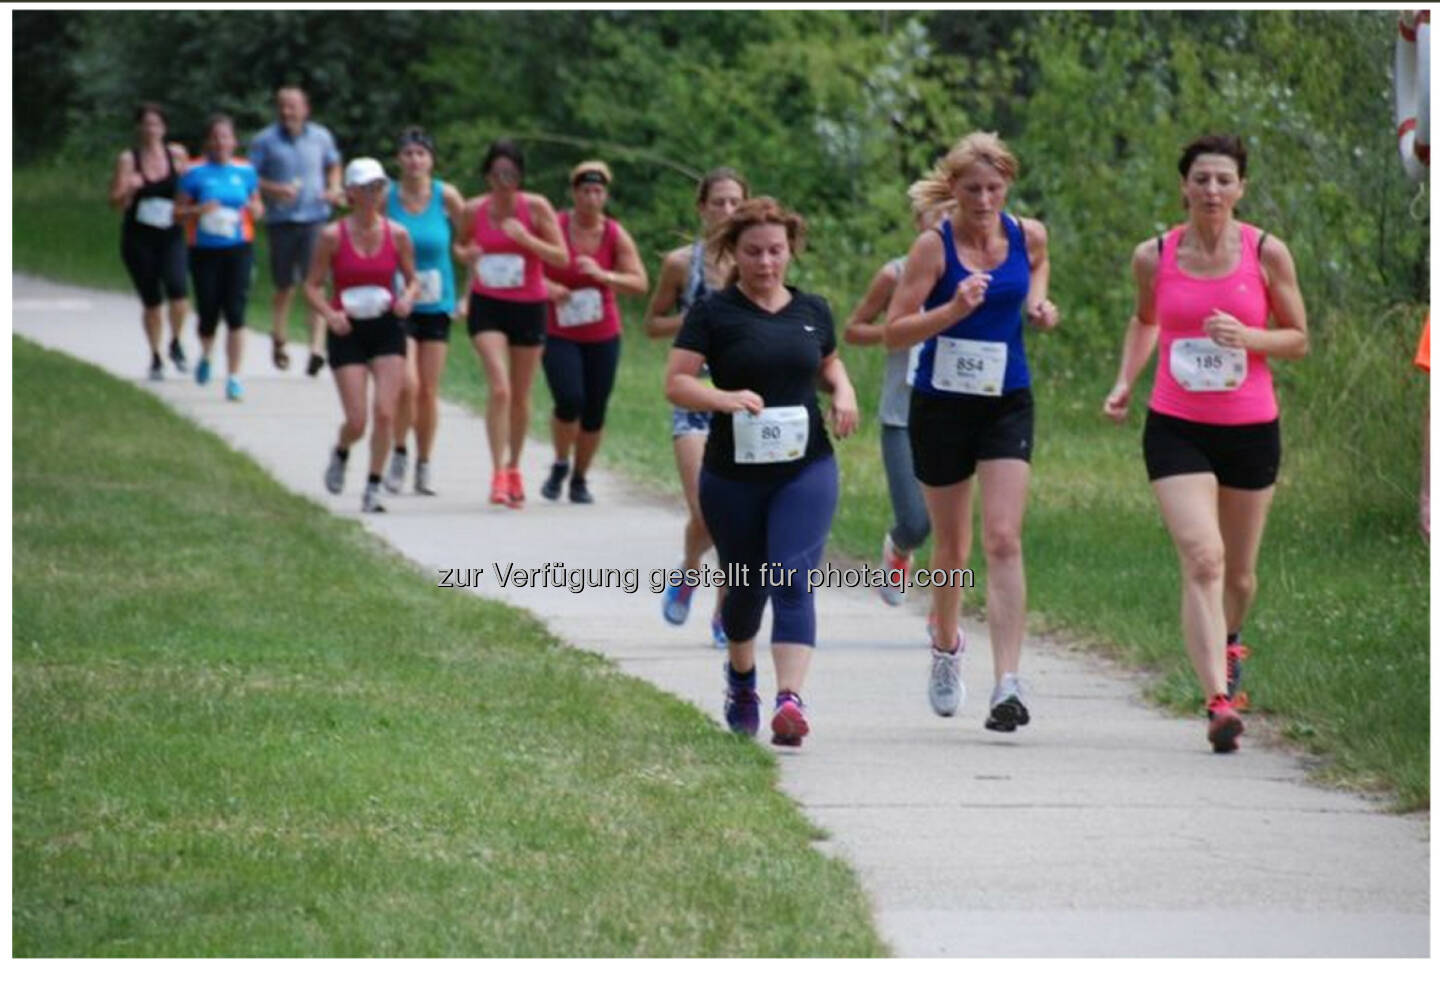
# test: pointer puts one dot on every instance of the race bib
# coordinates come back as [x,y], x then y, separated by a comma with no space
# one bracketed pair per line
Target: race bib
[222,222]
[1200,365]
[966,366]
[365,302]
[585,307]
[501,270]
[157,212]
[775,435]
[431,286]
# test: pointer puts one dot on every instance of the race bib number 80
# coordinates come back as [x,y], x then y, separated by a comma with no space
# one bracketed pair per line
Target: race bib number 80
[775,435]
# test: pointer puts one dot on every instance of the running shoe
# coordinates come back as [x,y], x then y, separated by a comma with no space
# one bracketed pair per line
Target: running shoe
[788,725]
[893,562]
[675,603]
[157,368]
[580,491]
[1235,656]
[335,473]
[177,356]
[422,478]
[278,355]
[1225,725]
[371,501]
[234,389]
[718,639]
[500,487]
[947,690]
[315,364]
[550,490]
[742,707]
[1007,705]
[515,488]
[202,371]
[395,475]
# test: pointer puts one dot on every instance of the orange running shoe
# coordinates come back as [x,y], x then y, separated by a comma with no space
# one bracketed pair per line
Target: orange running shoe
[500,487]
[516,496]
[1235,656]
[1225,725]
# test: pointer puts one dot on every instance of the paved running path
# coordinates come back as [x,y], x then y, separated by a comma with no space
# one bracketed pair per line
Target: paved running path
[1105,828]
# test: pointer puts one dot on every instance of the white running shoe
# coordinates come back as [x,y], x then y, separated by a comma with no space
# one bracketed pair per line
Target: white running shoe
[422,478]
[395,475]
[947,689]
[335,473]
[371,500]
[1008,707]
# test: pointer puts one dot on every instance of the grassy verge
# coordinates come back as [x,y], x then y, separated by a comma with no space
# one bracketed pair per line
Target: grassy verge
[241,728]
[1340,632]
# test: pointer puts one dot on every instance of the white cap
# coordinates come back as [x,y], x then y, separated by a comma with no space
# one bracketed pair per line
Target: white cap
[364,171]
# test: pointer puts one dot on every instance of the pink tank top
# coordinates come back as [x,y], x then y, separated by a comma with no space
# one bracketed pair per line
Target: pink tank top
[1223,388]
[348,268]
[511,273]
[591,298]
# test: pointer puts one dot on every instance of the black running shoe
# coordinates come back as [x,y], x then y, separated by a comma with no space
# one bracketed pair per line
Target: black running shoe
[550,490]
[177,356]
[579,492]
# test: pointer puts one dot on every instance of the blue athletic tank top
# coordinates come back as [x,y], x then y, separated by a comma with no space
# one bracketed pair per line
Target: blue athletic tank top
[430,232]
[997,319]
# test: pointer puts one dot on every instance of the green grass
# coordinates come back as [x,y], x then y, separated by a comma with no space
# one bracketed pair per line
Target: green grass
[243,728]
[1340,631]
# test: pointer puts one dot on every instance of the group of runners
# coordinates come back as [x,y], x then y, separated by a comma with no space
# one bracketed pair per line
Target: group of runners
[750,357]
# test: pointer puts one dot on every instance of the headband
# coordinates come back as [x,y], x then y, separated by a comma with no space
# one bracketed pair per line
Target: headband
[590,176]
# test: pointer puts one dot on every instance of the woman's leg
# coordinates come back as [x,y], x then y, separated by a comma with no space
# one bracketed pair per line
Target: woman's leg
[1004,485]
[431,363]
[491,347]
[524,361]
[1188,504]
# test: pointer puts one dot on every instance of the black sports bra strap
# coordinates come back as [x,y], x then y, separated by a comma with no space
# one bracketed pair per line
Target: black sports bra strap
[1260,245]
[1160,246]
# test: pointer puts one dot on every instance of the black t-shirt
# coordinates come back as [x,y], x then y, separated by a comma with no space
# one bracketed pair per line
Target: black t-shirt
[775,355]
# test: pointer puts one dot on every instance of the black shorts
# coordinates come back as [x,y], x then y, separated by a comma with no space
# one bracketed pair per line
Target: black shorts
[292,243]
[368,339]
[429,326]
[155,260]
[523,322]
[949,435]
[1246,457]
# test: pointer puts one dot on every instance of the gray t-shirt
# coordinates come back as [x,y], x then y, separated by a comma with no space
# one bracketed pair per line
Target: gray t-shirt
[895,390]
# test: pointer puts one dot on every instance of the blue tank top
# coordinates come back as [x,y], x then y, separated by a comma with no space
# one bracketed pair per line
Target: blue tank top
[430,232]
[997,319]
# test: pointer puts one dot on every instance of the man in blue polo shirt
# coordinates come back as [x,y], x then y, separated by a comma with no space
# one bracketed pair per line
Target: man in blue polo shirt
[299,169]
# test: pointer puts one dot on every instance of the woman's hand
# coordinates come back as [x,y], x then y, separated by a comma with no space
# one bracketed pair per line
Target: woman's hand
[733,401]
[1117,404]
[511,226]
[338,322]
[1044,315]
[970,293]
[844,412]
[1226,330]
[589,267]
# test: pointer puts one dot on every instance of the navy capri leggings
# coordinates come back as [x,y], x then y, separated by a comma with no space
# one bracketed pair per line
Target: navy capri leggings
[581,376]
[781,524]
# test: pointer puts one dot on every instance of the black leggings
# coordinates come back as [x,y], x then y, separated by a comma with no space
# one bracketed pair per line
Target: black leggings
[222,283]
[155,260]
[581,376]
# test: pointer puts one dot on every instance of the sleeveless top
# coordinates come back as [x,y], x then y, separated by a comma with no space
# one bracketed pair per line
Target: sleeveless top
[513,273]
[695,286]
[895,385]
[161,189]
[1238,390]
[995,324]
[591,298]
[348,268]
[430,232]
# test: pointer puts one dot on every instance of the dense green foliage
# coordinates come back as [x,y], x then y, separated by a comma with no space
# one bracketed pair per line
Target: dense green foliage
[836,113]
